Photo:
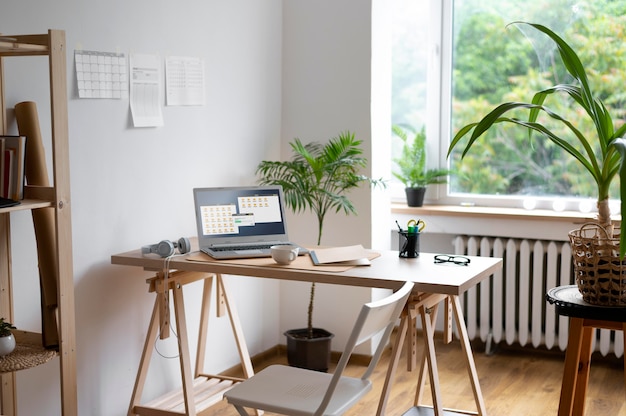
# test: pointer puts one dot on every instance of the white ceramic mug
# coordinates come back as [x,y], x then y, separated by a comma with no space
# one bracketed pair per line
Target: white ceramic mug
[285,253]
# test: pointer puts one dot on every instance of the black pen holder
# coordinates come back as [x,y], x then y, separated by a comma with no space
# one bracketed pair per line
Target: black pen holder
[409,244]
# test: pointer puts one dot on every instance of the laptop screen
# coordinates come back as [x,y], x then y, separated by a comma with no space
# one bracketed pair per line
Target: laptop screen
[239,214]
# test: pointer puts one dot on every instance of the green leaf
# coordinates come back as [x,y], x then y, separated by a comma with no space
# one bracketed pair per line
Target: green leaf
[411,165]
[620,145]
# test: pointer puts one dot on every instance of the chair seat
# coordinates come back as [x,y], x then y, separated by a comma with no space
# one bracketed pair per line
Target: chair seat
[300,392]
[295,391]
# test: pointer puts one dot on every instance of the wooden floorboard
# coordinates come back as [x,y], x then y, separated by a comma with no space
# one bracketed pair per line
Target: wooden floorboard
[514,381]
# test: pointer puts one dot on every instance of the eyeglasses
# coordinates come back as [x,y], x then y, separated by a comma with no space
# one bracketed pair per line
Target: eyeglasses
[445,258]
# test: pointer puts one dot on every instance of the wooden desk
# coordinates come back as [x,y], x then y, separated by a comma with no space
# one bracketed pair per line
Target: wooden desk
[434,283]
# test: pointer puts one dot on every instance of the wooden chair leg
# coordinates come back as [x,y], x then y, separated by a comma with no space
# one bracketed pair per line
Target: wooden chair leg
[411,341]
[393,365]
[241,411]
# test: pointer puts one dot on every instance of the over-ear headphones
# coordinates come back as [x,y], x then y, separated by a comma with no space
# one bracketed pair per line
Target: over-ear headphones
[167,248]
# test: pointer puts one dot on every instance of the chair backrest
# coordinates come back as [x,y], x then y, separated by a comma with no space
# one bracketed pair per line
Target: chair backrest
[374,317]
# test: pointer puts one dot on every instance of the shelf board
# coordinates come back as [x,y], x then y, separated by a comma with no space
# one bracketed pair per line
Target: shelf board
[28,353]
[23,45]
[26,204]
[34,197]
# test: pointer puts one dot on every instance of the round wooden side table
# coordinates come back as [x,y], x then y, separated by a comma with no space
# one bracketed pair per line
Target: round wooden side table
[584,319]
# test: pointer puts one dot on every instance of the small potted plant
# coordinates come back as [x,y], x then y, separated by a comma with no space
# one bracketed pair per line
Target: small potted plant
[7,340]
[411,165]
[316,178]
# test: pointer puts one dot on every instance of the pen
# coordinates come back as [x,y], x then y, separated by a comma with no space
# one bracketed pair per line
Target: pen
[399,228]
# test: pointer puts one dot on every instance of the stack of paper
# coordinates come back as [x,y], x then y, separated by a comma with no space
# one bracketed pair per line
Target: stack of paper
[349,255]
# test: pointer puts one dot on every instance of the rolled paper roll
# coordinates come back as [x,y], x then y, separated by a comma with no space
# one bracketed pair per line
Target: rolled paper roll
[28,125]
[43,219]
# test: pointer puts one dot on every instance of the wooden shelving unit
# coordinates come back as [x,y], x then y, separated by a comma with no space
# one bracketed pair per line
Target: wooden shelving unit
[55,197]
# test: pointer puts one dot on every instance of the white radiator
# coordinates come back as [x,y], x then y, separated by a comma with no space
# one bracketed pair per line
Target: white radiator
[511,306]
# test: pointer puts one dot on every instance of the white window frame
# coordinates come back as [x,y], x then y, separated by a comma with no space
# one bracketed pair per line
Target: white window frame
[439,89]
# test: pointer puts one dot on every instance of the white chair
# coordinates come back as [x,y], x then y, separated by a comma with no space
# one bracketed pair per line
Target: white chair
[296,391]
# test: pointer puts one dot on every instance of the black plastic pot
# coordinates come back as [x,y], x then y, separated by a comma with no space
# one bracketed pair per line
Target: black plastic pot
[415,196]
[310,353]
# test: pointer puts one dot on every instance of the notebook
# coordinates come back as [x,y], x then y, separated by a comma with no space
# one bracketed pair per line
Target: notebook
[240,222]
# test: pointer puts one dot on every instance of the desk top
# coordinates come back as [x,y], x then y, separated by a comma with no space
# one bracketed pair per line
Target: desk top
[386,271]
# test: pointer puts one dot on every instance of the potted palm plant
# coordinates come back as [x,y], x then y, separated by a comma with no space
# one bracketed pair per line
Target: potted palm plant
[601,155]
[316,178]
[411,165]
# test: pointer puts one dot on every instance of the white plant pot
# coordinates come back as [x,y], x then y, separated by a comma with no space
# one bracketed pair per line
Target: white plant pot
[7,345]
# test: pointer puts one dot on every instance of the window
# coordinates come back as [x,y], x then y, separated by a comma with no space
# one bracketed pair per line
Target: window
[475,61]
[410,62]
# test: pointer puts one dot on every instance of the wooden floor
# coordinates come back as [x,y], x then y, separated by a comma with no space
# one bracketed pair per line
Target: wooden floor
[514,381]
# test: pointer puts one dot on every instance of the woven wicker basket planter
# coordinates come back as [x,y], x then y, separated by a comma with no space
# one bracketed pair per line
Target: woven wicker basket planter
[600,274]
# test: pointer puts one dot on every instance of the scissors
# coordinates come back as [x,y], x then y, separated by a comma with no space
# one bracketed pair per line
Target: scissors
[415,226]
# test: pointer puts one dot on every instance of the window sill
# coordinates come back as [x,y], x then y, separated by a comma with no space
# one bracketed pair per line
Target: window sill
[518,214]
[494,221]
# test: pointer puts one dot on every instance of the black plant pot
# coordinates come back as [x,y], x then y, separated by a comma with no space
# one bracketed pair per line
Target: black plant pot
[415,196]
[310,353]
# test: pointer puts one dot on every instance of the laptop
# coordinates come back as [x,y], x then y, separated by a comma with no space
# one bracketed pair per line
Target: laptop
[240,222]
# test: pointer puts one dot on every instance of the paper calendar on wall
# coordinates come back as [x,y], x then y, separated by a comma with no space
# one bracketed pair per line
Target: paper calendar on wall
[101,74]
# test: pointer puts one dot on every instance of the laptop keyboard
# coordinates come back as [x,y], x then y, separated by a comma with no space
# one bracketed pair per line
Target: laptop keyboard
[250,247]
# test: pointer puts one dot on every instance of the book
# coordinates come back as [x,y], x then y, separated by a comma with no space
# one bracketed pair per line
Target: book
[2,174]
[8,171]
[17,146]
[349,255]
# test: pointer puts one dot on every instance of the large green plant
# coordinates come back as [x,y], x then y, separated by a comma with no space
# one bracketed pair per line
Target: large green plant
[317,178]
[411,164]
[602,155]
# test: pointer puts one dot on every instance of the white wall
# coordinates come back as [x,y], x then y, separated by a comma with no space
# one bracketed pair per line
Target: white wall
[132,187]
[326,90]
[336,77]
